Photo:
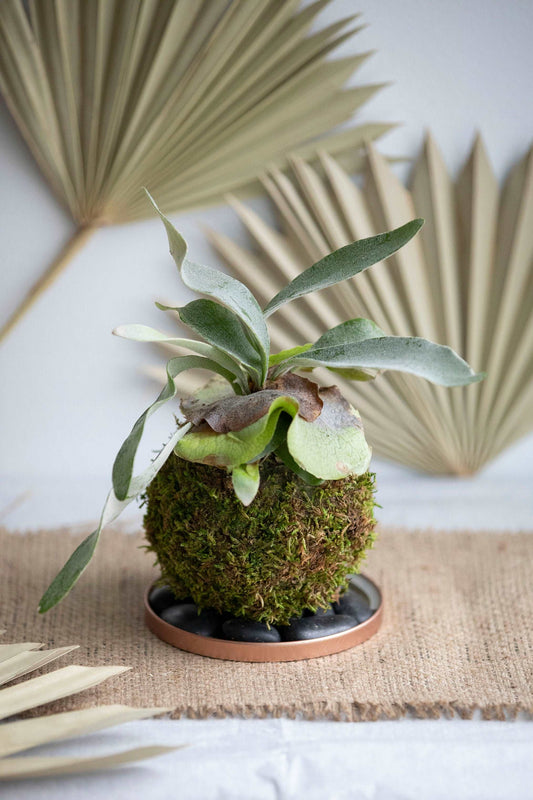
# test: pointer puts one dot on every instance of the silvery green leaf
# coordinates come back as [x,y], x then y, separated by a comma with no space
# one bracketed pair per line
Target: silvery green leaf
[227,290]
[144,333]
[176,242]
[437,363]
[345,263]
[350,332]
[76,564]
[123,466]
[354,330]
[245,479]
[334,445]
[222,328]
[236,296]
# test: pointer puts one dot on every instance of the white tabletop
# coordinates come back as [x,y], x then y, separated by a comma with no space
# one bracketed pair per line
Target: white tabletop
[291,760]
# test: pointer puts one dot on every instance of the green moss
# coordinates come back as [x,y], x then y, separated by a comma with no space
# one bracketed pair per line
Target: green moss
[291,549]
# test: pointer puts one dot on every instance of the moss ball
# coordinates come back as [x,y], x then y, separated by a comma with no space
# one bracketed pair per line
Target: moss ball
[290,550]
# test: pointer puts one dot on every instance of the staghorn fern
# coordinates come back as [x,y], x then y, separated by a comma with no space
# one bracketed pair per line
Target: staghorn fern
[257,405]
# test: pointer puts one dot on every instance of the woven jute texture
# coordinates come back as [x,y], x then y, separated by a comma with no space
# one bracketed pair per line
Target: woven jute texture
[457,633]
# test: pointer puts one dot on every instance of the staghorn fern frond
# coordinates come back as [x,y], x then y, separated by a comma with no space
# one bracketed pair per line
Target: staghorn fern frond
[191,98]
[21,735]
[256,405]
[467,281]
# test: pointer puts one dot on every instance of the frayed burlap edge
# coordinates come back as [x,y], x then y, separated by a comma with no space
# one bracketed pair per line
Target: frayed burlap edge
[358,712]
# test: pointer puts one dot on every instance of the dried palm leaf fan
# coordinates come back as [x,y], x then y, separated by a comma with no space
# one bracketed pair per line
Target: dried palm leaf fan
[18,736]
[467,281]
[189,97]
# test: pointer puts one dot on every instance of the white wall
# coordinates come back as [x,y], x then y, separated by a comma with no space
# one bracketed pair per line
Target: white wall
[70,391]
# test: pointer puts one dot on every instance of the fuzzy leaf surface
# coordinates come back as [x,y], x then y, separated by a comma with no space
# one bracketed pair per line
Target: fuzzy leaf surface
[223,329]
[176,243]
[352,331]
[345,263]
[434,362]
[144,333]
[349,332]
[234,295]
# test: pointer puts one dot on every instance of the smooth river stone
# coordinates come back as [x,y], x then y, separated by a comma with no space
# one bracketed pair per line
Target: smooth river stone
[316,626]
[162,597]
[186,617]
[355,605]
[245,630]
[320,612]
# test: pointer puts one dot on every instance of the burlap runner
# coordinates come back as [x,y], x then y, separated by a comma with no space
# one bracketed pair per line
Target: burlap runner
[457,634]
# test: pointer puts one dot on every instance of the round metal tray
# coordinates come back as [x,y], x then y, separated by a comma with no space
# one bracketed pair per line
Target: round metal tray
[272,651]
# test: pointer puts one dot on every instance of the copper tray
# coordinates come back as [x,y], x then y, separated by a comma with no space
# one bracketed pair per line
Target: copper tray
[272,651]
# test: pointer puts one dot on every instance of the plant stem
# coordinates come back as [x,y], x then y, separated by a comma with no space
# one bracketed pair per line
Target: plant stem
[57,266]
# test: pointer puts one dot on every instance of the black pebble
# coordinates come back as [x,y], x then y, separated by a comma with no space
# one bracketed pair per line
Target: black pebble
[316,626]
[162,597]
[186,617]
[245,630]
[320,612]
[355,605]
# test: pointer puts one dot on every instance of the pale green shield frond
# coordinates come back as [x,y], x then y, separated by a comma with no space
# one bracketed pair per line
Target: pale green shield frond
[333,446]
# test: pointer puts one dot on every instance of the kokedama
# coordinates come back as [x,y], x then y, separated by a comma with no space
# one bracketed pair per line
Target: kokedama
[261,503]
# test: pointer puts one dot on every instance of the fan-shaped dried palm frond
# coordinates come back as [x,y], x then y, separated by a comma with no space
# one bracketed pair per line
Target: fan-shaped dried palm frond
[466,281]
[189,97]
[15,737]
